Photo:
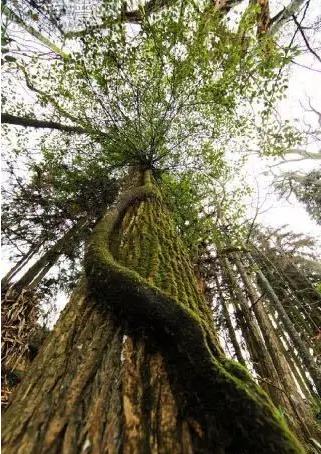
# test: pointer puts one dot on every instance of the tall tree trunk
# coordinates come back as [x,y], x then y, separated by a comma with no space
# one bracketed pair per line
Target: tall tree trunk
[133,365]
[307,358]
[293,305]
[299,413]
[259,354]
[6,280]
[294,362]
[49,258]
[293,358]
[304,290]
[229,324]
[20,308]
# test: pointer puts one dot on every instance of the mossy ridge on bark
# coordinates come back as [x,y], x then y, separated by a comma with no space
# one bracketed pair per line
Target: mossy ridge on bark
[223,387]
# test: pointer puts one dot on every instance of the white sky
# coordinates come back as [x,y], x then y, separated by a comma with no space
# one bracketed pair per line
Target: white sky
[303,84]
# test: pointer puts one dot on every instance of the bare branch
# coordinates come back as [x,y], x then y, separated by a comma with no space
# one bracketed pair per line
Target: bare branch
[305,38]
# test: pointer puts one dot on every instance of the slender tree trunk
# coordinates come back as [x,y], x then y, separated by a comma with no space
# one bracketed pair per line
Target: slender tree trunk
[279,282]
[299,414]
[304,290]
[306,388]
[149,376]
[259,354]
[20,309]
[48,259]
[229,325]
[308,360]
[293,358]
[6,280]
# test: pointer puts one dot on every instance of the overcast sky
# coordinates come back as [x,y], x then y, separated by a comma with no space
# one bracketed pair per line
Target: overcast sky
[304,84]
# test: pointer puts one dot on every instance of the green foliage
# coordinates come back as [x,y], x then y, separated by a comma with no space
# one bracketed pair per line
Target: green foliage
[174,94]
[158,95]
[308,191]
[317,286]
[277,138]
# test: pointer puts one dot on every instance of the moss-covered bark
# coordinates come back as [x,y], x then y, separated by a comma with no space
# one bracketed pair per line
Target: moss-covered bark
[166,387]
[94,389]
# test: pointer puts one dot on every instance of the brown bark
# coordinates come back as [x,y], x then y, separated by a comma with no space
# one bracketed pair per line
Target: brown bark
[93,389]
[97,387]
[263,17]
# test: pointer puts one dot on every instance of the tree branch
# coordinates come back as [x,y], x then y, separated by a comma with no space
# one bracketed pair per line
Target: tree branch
[149,7]
[34,123]
[43,39]
[278,20]
[305,38]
